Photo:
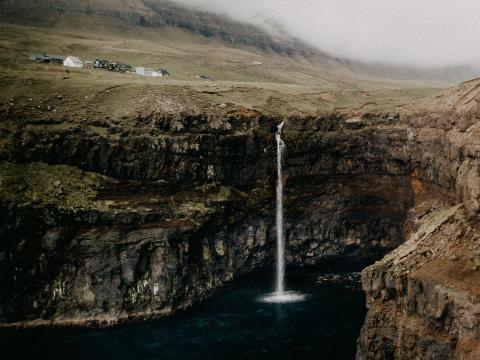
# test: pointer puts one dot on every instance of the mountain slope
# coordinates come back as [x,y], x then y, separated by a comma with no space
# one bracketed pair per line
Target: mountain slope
[147,14]
[149,19]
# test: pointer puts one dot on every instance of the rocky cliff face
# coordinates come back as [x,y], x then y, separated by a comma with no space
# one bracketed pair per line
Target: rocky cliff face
[110,221]
[423,298]
[141,217]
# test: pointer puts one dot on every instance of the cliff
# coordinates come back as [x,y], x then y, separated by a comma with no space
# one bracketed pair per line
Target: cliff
[423,298]
[104,224]
[136,217]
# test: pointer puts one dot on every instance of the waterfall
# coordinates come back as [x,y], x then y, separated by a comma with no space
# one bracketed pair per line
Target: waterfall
[280,295]
[280,273]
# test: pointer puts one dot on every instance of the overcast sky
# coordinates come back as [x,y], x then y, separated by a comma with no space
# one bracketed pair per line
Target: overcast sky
[417,32]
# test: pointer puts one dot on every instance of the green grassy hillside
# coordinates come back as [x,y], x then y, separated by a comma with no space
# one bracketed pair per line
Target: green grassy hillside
[280,84]
[154,33]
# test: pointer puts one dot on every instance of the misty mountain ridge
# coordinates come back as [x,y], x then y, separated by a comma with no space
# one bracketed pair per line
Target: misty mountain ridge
[150,14]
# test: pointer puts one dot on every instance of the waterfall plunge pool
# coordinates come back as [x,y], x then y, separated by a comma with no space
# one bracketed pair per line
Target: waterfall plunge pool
[232,325]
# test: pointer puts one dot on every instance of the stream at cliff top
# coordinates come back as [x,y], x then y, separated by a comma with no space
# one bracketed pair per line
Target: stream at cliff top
[232,325]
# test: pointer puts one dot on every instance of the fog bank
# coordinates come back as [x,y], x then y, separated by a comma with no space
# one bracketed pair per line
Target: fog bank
[415,32]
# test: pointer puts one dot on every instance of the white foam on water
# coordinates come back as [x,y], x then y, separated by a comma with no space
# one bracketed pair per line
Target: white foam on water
[284,297]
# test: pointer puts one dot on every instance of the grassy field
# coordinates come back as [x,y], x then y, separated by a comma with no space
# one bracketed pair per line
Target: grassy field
[280,85]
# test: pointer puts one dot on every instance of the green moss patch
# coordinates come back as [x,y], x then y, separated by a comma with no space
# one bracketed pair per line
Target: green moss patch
[44,184]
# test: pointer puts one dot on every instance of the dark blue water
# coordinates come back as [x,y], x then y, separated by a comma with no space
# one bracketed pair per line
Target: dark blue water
[233,325]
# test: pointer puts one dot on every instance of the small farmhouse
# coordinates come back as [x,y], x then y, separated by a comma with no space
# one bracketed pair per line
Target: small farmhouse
[121,67]
[73,62]
[101,64]
[147,72]
[47,58]
[39,58]
[56,59]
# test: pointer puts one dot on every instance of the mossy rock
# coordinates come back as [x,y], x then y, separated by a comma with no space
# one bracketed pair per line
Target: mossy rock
[44,184]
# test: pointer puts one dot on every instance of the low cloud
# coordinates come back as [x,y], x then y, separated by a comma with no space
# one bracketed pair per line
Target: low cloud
[415,32]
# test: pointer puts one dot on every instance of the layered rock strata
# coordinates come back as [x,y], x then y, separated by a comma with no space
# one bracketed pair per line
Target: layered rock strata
[136,218]
[107,222]
[424,298]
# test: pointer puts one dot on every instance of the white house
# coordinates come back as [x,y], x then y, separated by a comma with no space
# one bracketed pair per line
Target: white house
[73,62]
[147,72]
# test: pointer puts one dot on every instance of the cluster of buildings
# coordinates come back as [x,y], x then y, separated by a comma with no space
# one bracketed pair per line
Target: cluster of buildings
[75,62]
[100,64]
